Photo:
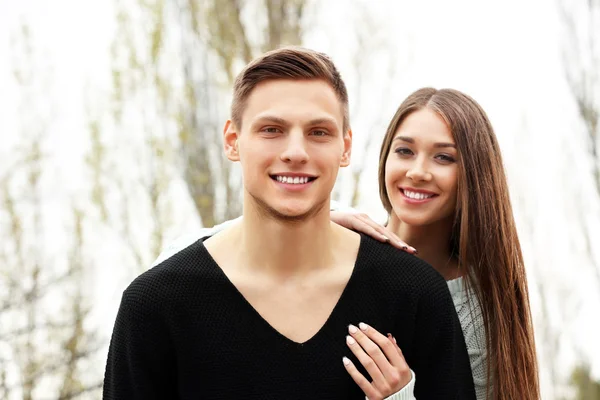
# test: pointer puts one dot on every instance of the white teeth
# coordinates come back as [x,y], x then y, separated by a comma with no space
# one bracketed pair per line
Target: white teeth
[417,196]
[295,180]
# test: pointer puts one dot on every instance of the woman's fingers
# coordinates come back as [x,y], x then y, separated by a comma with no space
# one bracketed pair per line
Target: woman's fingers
[362,382]
[365,359]
[384,354]
[396,344]
[382,231]
[364,224]
[360,225]
[386,344]
[382,358]
[355,223]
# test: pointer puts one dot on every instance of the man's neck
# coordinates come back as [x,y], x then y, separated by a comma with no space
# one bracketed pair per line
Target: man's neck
[284,247]
[432,242]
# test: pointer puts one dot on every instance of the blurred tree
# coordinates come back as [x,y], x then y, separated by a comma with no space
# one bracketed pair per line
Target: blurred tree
[581,61]
[32,323]
[77,343]
[552,317]
[138,171]
[582,65]
[372,53]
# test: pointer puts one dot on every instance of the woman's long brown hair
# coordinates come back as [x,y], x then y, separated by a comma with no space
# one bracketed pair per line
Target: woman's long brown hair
[484,239]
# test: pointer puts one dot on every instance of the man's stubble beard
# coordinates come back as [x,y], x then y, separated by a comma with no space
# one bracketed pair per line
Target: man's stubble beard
[269,212]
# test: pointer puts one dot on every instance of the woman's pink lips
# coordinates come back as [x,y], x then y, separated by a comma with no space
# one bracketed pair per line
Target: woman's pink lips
[411,189]
[418,201]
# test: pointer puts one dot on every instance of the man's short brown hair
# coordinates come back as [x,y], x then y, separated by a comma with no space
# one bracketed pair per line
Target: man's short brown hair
[295,63]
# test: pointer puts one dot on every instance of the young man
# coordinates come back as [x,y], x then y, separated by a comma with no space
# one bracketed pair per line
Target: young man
[262,309]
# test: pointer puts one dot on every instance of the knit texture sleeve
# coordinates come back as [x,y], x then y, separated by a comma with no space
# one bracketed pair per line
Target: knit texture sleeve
[140,364]
[471,321]
[443,363]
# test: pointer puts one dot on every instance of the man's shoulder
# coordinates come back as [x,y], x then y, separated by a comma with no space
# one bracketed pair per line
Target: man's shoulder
[395,265]
[186,269]
[180,244]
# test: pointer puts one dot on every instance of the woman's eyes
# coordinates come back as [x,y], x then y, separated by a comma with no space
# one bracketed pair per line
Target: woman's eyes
[405,151]
[445,158]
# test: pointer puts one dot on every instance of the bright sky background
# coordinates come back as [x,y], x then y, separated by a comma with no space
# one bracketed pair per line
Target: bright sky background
[507,55]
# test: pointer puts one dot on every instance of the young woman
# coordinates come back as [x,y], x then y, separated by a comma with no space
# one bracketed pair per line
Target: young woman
[442,182]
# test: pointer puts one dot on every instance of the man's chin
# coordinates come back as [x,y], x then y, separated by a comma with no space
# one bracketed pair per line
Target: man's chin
[289,212]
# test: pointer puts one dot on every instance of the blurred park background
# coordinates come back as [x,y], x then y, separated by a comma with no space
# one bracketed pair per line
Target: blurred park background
[110,125]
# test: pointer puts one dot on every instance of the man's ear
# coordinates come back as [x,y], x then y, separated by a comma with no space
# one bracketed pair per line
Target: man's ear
[347,149]
[230,141]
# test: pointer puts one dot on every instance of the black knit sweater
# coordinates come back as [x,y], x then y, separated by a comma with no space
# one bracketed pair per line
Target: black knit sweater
[183,331]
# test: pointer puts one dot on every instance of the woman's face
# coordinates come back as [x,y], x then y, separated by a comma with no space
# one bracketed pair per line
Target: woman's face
[421,171]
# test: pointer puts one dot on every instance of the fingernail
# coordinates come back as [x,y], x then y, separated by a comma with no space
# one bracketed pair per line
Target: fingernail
[352,329]
[346,361]
[350,340]
[394,340]
[389,335]
[415,250]
[363,326]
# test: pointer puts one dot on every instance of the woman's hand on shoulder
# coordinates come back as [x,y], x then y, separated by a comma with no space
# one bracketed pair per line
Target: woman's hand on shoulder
[364,224]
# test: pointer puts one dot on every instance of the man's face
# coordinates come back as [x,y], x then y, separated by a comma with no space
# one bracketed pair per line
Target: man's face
[291,146]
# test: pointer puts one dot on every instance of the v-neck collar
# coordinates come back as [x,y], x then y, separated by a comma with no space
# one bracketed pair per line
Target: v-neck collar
[245,303]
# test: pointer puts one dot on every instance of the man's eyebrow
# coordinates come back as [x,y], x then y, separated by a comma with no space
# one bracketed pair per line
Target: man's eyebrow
[437,145]
[319,121]
[271,118]
[281,121]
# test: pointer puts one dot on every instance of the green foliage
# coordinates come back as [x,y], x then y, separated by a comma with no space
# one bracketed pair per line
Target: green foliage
[586,387]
